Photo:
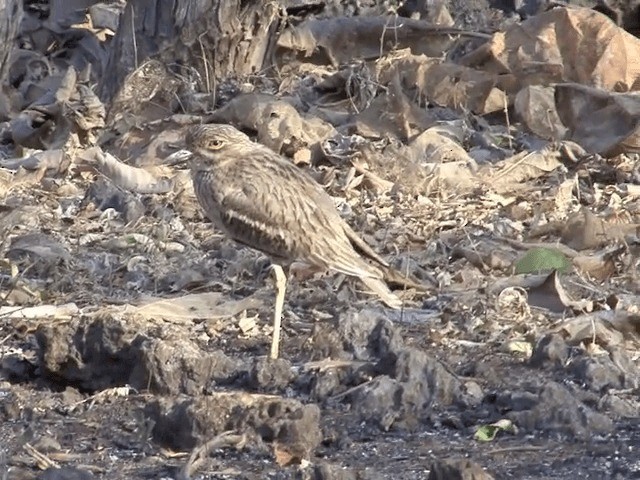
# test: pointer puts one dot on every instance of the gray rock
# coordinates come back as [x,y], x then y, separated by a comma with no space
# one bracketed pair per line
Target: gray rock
[97,353]
[550,350]
[457,469]
[183,423]
[559,410]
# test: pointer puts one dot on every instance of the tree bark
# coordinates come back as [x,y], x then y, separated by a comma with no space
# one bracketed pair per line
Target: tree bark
[10,18]
[217,38]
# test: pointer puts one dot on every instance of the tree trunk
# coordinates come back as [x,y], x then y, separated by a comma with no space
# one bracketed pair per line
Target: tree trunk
[10,18]
[218,38]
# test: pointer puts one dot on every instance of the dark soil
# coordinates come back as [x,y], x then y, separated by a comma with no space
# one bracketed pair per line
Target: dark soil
[395,404]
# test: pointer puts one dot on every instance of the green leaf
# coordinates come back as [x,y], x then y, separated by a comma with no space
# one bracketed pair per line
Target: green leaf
[542,259]
[487,433]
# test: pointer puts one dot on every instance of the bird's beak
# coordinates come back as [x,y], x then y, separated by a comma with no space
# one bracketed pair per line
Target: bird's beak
[179,159]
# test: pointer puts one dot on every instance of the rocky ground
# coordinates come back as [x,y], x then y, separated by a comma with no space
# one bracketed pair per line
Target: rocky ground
[134,337]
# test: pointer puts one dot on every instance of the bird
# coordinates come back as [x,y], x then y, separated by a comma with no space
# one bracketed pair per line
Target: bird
[261,200]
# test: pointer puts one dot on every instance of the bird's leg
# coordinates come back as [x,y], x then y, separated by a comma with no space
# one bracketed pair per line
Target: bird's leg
[281,285]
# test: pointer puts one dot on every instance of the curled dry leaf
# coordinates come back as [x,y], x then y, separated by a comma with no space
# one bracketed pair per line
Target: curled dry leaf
[129,178]
[519,168]
[445,84]
[551,295]
[54,161]
[544,291]
[563,45]
[278,123]
[571,151]
[446,161]
[599,266]
[585,230]
[605,328]
[535,107]
[600,121]
[512,302]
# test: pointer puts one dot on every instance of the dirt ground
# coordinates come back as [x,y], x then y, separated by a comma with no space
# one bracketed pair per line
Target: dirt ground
[401,402]
[139,348]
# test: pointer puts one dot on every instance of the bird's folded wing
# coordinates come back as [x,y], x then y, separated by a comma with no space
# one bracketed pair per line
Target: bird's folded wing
[362,246]
[287,220]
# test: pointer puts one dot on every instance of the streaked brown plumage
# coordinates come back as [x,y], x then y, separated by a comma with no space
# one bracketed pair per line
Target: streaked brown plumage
[261,200]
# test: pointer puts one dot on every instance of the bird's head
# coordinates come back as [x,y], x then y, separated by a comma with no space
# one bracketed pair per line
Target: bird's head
[215,141]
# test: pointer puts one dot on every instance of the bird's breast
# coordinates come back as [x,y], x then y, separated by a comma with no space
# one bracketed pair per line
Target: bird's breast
[209,192]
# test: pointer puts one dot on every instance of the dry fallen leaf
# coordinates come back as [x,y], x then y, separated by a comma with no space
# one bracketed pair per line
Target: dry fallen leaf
[569,44]
[67,310]
[124,176]
[519,168]
[194,306]
[551,295]
[605,328]
[278,123]
[437,150]
[535,107]
[602,265]
[585,230]
[444,83]
[600,121]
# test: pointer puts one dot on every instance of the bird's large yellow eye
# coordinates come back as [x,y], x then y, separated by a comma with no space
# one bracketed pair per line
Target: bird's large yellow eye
[216,144]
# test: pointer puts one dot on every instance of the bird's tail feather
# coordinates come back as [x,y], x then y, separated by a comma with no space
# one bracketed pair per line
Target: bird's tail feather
[380,288]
